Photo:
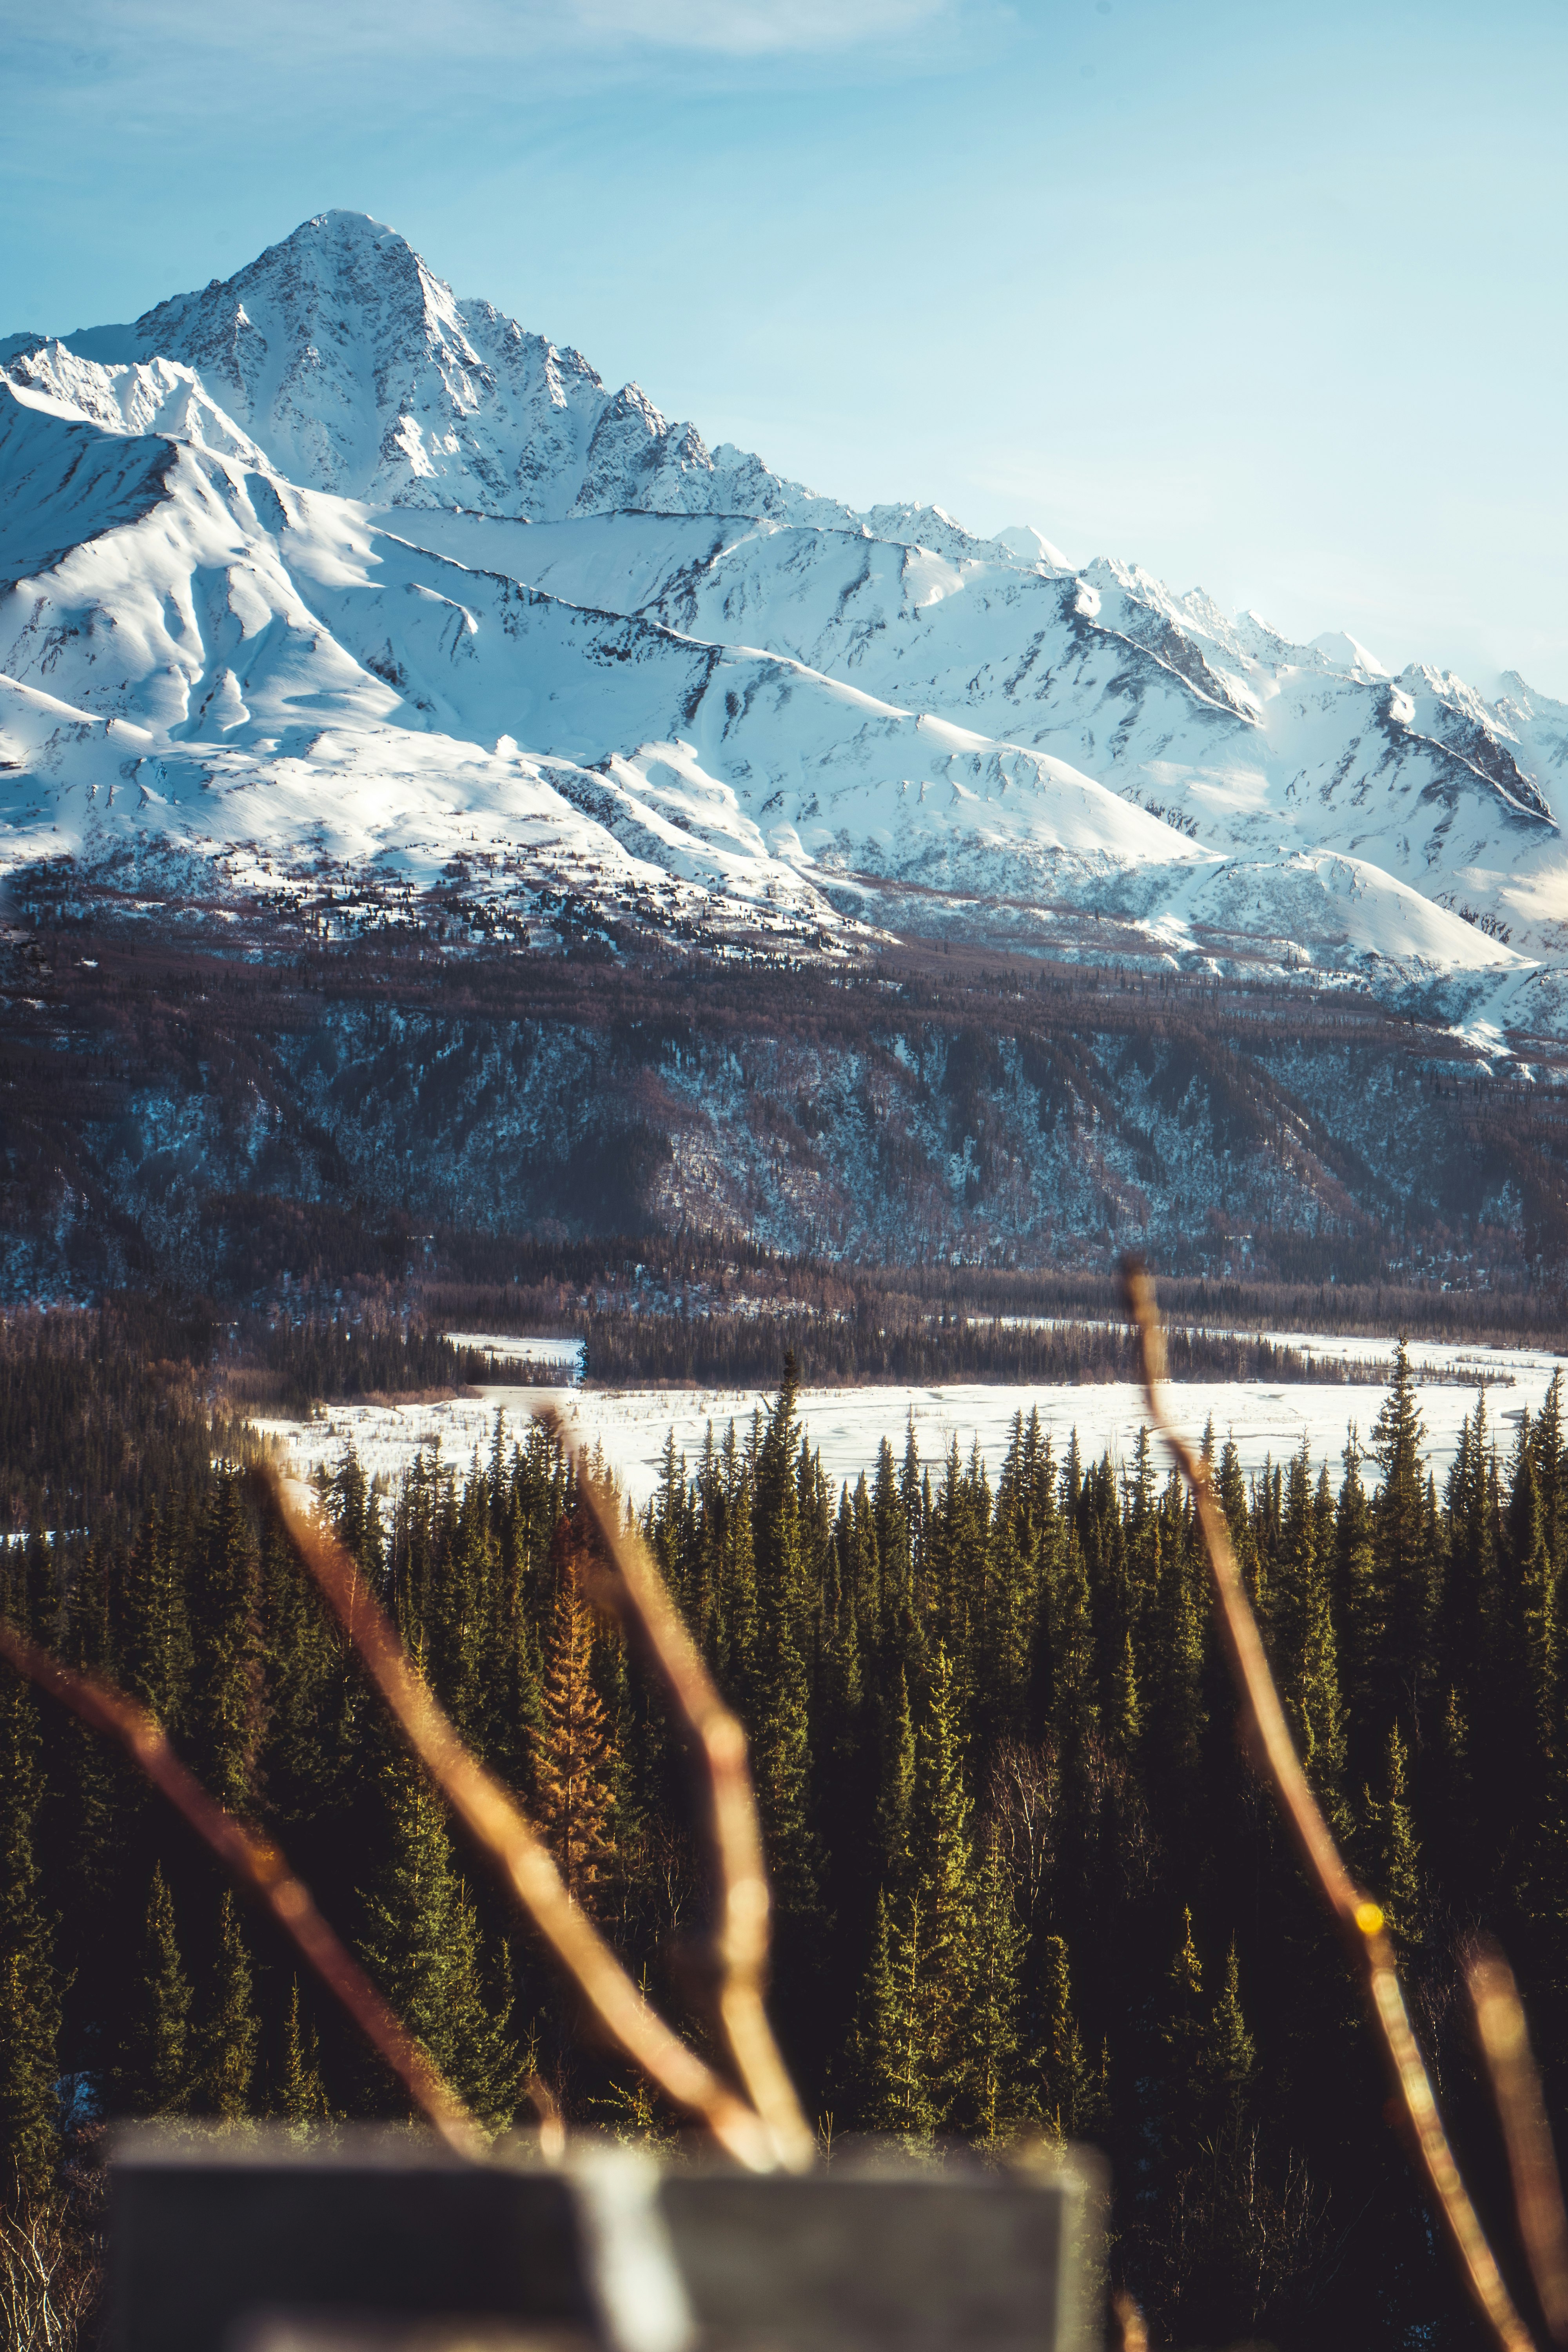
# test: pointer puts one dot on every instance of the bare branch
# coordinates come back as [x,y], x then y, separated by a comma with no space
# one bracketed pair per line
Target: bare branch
[1133,2328]
[551,2124]
[718,1748]
[1360,1918]
[1516,2086]
[497,1823]
[263,1870]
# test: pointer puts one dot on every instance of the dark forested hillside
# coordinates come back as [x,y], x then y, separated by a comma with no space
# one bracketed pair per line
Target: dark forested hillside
[232,1114]
[1023,1877]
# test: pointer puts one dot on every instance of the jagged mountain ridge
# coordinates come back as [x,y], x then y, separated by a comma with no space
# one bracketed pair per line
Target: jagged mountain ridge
[258,668]
[464,407]
[361,560]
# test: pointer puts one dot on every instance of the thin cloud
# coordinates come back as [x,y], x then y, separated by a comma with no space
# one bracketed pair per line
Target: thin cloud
[100,35]
[756,28]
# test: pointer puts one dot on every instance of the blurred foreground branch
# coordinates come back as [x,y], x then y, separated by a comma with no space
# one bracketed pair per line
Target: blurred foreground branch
[1359,1917]
[1504,2038]
[262,1869]
[717,1744]
[498,1826]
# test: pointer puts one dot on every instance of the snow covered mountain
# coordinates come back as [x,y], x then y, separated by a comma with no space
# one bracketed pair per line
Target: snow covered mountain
[320,581]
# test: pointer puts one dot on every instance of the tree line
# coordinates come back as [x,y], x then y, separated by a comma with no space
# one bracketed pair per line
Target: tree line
[1022,1876]
[900,1343]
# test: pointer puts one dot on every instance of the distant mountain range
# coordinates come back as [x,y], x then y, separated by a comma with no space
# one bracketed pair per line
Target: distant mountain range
[322,585]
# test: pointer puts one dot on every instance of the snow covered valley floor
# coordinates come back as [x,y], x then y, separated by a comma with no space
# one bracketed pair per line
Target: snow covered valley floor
[847,1425]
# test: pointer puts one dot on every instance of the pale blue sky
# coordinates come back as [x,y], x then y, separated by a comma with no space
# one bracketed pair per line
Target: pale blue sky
[1270,299]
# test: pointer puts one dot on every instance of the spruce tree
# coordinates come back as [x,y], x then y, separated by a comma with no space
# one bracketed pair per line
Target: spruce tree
[481,2059]
[227,1687]
[574,1762]
[1126,1717]
[300,2097]
[29,1994]
[1533,1612]
[1230,2058]
[847,1758]
[781,1766]
[1406,1571]
[1230,1489]
[1184,2034]
[939,2003]
[152,2074]
[993,2093]
[891,1530]
[943,1895]
[887,2063]
[1399,1852]
[230,2030]
[157,1657]
[1065,2091]
[780,1700]
[1074,1658]
[1471,1662]
[1177,1709]
[461,1612]
[420,1942]
[735,1631]
[309,1742]
[1360,1608]
[1306,1652]
[895,1790]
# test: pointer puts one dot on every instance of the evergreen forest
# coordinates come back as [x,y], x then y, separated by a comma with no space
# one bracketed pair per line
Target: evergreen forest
[1024,1880]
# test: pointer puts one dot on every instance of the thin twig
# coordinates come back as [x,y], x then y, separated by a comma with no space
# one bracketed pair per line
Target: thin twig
[1358,1915]
[1504,2038]
[260,1867]
[717,1745]
[496,1823]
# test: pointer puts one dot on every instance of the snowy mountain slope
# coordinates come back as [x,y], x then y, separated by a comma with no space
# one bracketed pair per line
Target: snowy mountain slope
[251,667]
[1275,750]
[321,563]
[152,397]
[167,689]
[66,483]
[251,609]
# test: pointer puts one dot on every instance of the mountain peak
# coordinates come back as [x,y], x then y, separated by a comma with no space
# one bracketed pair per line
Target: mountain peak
[354,369]
[1340,651]
[353,366]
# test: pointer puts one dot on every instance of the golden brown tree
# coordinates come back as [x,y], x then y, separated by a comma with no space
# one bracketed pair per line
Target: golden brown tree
[574,1750]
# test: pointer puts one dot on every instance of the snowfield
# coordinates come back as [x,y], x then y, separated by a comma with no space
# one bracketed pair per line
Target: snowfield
[1268,1421]
[321,583]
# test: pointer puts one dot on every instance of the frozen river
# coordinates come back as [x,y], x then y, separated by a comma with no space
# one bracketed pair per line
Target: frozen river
[848,1424]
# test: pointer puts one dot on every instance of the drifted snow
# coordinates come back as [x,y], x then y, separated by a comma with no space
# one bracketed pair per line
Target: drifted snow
[1268,1420]
[321,568]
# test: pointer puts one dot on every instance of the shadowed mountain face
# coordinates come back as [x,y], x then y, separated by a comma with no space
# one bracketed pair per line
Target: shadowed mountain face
[327,587]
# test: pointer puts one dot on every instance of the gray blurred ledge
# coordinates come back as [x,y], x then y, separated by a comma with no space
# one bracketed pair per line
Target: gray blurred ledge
[378,2241]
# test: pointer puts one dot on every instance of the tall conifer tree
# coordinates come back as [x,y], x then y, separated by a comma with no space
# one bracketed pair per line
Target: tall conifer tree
[573,1764]
[1406,1570]
[230,2030]
[226,1689]
[420,1942]
[29,1993]
[300,2097]
[153,2073]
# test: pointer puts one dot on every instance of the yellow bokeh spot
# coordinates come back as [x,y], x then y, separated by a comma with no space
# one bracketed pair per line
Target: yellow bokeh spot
[1368,1918]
